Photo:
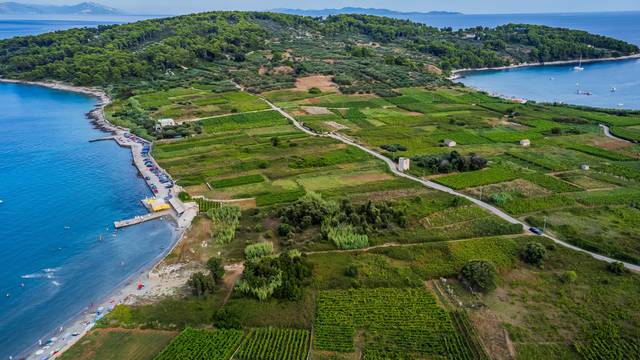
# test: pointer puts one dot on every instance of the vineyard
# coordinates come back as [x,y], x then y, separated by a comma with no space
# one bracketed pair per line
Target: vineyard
[604,342]
[194,344]
[400,323]
[477,178]
[205,205]
[275,344]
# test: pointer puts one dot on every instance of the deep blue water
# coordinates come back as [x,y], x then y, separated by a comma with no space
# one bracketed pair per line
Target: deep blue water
[561,83]
[52,178]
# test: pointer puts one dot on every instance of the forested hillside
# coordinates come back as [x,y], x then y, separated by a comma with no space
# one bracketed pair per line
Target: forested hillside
[264,51]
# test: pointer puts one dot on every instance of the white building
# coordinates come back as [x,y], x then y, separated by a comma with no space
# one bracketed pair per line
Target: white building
[525,142]
[403,164]
[449,143]
[166,122]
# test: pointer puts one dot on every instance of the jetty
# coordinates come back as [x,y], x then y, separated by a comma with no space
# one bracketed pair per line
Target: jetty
[142,218]
[102,139]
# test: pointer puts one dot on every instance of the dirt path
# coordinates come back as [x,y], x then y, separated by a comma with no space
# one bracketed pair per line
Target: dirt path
[231,276]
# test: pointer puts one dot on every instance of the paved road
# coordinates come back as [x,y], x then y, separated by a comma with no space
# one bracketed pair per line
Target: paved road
[608,134]
[430,184]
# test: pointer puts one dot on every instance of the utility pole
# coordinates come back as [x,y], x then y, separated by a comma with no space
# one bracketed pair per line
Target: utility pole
[544,227]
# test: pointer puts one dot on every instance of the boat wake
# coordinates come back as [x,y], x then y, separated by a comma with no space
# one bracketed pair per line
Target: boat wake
[47,273]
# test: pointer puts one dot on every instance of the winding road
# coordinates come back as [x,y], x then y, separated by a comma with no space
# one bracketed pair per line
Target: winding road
[488,207]
[607,133]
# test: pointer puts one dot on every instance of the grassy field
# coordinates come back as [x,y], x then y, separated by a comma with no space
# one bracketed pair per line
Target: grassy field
[115,344]
[194,102]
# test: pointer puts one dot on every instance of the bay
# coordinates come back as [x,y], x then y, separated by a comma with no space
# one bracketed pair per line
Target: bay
[60,197]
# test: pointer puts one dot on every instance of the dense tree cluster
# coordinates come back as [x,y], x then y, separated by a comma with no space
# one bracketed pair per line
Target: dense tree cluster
[281,277]
[217,45]
[312,209]
[450,162]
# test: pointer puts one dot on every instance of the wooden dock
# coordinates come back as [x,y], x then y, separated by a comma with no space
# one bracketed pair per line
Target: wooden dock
[142,218]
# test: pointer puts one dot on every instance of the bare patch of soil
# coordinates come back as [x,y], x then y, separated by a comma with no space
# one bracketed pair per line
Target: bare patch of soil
[321,82]
[335,125]
[493,335]
[231,276]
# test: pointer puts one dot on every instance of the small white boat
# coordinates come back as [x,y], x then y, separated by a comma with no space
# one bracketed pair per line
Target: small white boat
[579,67]
[613,89]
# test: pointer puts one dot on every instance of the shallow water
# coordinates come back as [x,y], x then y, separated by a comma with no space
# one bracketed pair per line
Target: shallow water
[60,196]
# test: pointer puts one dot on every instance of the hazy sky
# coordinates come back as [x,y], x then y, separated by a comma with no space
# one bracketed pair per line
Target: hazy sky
[466,6]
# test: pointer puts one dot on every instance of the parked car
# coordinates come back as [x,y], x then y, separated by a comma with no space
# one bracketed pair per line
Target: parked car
[535,230]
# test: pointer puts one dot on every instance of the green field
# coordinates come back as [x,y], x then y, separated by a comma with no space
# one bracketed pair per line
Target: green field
[202,344]
[115,344]
[397,323]
[197,102]
[275,344]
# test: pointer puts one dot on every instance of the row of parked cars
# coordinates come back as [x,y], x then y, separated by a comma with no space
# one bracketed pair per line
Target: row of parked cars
[150,164]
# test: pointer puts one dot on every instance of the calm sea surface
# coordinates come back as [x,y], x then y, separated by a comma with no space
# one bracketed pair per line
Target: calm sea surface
[561,83]
[61,193]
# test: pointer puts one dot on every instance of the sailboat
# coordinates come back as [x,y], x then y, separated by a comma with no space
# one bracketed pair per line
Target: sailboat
[579,67]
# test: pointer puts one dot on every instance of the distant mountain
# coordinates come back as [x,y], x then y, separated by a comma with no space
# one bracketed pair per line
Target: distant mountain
[85,8]
[357,10]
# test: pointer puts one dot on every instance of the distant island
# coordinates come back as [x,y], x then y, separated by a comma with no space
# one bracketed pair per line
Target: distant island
[85,8]
[358,10]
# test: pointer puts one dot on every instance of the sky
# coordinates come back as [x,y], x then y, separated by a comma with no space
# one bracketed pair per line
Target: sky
[465,6]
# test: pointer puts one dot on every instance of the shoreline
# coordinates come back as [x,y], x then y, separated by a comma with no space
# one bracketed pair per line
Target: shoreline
[458,73]
[150,274]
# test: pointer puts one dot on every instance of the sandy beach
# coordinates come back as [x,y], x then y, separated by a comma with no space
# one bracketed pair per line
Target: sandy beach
[456,74]
[158,281]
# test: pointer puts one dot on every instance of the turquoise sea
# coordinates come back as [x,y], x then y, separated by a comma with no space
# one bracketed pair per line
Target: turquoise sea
[60,195]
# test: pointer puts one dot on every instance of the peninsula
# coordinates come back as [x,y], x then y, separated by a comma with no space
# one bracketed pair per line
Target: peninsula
[348,193]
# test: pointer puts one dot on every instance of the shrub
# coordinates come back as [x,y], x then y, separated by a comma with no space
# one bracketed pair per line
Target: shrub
[479,274]
[393,147]
[534,253]
[225,319]
[284,229]
[569,277]
[500,198]
[259,250]
[345,237]
[351,271]
[216,267]
[315,91]
[616,267]
[184,196]
[225,221]
[201,284]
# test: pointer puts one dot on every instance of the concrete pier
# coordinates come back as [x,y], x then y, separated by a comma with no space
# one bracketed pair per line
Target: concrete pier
[142,218]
